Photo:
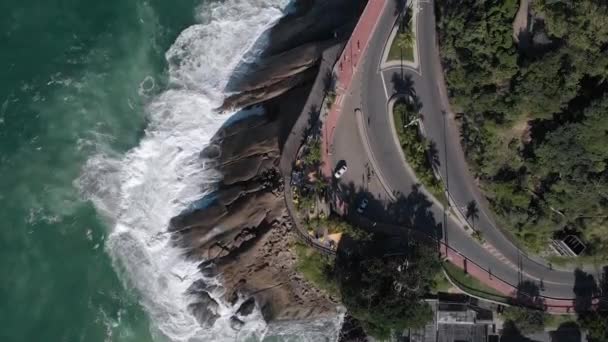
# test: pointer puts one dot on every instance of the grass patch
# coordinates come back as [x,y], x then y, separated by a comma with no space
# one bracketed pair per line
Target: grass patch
[580,260]
[317,269]
[554,321]
[417,151]
[472,285]
[442,284]
[394,54]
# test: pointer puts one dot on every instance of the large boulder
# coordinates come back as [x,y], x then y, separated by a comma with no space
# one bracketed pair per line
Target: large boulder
[204,309]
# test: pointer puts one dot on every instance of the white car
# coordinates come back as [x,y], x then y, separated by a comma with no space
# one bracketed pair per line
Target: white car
[362,206]
[339,172]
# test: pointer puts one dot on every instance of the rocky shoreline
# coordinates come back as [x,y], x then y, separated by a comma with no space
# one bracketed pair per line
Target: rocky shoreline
[243,231]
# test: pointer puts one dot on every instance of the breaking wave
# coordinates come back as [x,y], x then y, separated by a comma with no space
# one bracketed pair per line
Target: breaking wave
[139,192]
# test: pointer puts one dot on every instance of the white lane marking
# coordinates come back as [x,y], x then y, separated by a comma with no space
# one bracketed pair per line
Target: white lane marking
[398,67]
[383,84]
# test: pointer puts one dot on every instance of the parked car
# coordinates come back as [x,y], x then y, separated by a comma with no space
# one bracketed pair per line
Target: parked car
[340,171]
[362,206]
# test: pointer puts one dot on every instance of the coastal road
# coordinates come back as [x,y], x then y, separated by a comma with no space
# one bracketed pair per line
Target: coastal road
[370,91]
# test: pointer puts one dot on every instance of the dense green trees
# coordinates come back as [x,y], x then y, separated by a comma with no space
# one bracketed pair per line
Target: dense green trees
[526,320]
[384,290]
[534,121]
[596,325]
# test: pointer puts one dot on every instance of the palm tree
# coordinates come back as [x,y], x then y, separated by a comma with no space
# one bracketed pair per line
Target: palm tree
[405,35]
[320,186]
[405,39]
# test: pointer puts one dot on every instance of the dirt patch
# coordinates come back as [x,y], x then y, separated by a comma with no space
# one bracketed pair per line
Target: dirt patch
[520,23]
[521,130]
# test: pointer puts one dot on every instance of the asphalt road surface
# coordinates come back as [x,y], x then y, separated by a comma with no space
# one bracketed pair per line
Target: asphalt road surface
[370,90]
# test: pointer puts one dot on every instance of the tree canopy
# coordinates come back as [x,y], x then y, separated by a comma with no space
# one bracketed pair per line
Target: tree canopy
[384,290]
[596,325]
[533,115]
[526,320]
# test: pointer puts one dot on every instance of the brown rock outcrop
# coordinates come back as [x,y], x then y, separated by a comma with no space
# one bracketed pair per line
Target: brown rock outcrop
[266,271]
[242,230]
[296,44]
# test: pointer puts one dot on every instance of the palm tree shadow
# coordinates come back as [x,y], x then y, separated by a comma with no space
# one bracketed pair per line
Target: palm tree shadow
[313,128]
[403,84]
[434,154]
[411,212]
[400,6]
[510,333]
[472,212]
[388,235]
[329,82]
[528,294]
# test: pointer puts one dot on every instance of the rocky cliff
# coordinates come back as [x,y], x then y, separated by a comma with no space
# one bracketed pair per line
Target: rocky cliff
[243,231]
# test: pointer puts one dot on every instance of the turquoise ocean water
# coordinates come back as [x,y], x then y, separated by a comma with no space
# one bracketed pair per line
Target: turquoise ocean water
[75,75]
[71,74]
[104,109]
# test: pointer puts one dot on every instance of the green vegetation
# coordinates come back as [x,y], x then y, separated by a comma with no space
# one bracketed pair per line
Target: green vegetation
[313,186]
[470,284]
[305,202]
[596,325]
[402,46]
[477,235]
[400,52]
[579,261]
[305,198]
[533,117]
[526,320]
[554,321]
[418,152]
[317,269]
[442,284]
[313,155]
[384,290]
[330,98]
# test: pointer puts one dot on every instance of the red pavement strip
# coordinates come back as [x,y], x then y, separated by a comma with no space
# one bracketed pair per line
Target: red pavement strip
[344,70]
[553,305]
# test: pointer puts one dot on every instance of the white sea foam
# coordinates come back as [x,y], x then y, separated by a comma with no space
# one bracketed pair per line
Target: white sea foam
[142,190]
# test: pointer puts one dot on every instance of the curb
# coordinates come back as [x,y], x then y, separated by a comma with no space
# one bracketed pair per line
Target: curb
[409,169]
[445,273]
[385,63]
[468,227]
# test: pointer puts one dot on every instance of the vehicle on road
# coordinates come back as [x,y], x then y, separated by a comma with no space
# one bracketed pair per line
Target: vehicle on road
[362,206]
[340,170]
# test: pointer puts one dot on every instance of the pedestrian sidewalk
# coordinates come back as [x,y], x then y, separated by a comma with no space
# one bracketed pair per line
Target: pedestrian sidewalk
[344,69]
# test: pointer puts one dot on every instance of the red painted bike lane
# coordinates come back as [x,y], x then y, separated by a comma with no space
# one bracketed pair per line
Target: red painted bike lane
[552,305]
[344,69]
